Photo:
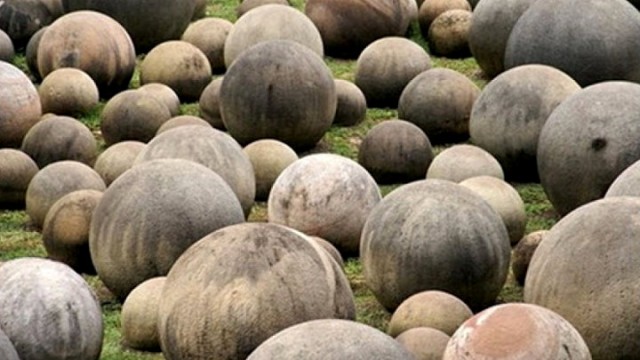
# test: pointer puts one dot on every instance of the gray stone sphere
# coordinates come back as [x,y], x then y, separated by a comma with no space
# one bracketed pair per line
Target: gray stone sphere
[16,171]
[448,34]
[20,19]
[523,252]
[209,104]
[627,183]
[246,5]
[430,9]
[269,159]
[209,35]
[139,317]
[424,343]
[330,249]
[182,120]
[117,159]
[165,95]
[31,54]
[7,350]
[461,162]
[352,105]
[6,47]
[68,91]
[20,105]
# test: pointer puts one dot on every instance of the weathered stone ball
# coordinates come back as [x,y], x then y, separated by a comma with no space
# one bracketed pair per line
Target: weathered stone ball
[65,233]
[139,315]
[117,159]
[31,54]
[165,94]
[439,101]
[278,90]
[246,5]
[182,120]
[20,19]
[58,138]
[173,203]
[132,115]
[212,148]
[386,66]
[431,9]
[330,249]
[48,311]
[348,26]
[351,108]
[55,181]
[516,331]
[16,171]
[6,47]
[598,45]
[209,35]
[93,43]
[20,105]
[587,141]
[505,199]
[509,114]
[523,252]
[179,65]
[434,235]
[7,350]
[433,309]
[395,151]
[68,91]
[424,343]
[251,280]
[627,183]
[448,35]
[269,159]
[326,195]
[461,162]
[209,104]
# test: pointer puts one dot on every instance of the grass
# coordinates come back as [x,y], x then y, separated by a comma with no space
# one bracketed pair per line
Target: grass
[18,239]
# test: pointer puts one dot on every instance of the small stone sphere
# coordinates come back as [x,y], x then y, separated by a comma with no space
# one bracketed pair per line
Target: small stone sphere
[461,162]
[68,91]
[516,331]
[523,252]
[424,343]
[132,115]
[209,35]
[139,315]
[165,95]
[330,249]
[55,181]
[65,232]
[386,66]
[179,65]
[210,104]
[16,171]
[433,309]
[246,5]
[448,35]
[117,159]
[182,120]
[6,47]
[31,54]
[269,158]
[395,151]
[352,104]
[431,9]
[439,101]
[20,105]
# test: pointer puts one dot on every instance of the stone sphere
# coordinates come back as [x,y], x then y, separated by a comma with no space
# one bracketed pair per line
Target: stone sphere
[439,101]
[251,280]
[55,181]
[627,183]
[386,66]
[424,343]
[587,141]
[200,10]
[431,9]
[7,350]
[93,43]
[65,232]
[139,315]
[432,309]
[132,115]
[461,162]
[58,138]
[278,90]
[348,26]
[351,108]
[598,45]
[509,114]
[179,65]
[20,19]
[269,159]
[246,5]
[209,36]
[20,105]
[271,22]
[151,214]
[31,54]
[395,151]
[16,171]
[326,195]
[209,104]
[182,120]
[491,25]
[448,35]
[165,94]
[523,252]
[6,47]
[68,91]
[330,339]
[117,159]
[48,311]
[330,249]
[516,331]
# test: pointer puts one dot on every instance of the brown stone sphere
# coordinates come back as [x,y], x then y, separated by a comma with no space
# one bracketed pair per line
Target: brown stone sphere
[210,104]
[209,35]
[352,104]
[182,120]
[269,158]
[523,252]
[449,34]
[20,105]
[431,9]
[424,343]
[246,5]
[92,42]
[179,65]
[57,138]
[117,159]
[139,315]
[7,50]
[165,94]
[16,171]
[461,162]
[31,54]
[68,91]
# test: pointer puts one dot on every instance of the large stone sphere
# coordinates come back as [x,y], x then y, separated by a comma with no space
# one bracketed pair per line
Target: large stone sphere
[461,162]
[523,252]
[586,270]
[117,159]
[269,159]
[516,331]
[246,5]
[20,105]
[148,23]
[182,120]
[278,90]
[424,343]
[434,234]
[386,66]
[68,91]
[7,350]
[598,45]
[16,171]
[395,151]
[587,141]
[271,22]
[139,315]
[209,35]
[448,35]
[439,101]
[93,43]
[209,104]
[250,280]
[7,50]
[351,108]
[31,54]
[509,114]
[20,19]
[326,195]
[165,94]
[48,311]
[431,9]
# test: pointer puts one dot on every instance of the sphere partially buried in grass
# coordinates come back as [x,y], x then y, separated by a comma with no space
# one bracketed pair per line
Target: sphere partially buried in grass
[351,108]
[448,35]
[16,171]
[20,105]
[68,91]
[461,162]
[269,158]
[139,316]
[117,159]
[210,35]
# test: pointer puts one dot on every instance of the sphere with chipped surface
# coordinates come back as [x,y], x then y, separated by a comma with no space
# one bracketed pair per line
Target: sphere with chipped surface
[182,120]
[431,9]
[461,162]
[424,343]
[209,35]
[448,35]
[139,316]
[16,171]
[523,252]
[351,108]
[165,94]
[209,104]
[68,91]
[117,159]
[20,105]
[269,158]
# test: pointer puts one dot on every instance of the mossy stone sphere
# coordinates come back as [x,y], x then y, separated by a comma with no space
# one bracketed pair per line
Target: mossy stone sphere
[31,54]
[117,159]
[461,162]
[20,19]
[246,5]
[448,34]
[431,9]
[209,104]
[165,95]
[20,105]
[139,317]
[68,91]
[523,252]
[6,47]
[182,120]
[352,105]
[424,343]
[269,159]
[209,35]
[16,171]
